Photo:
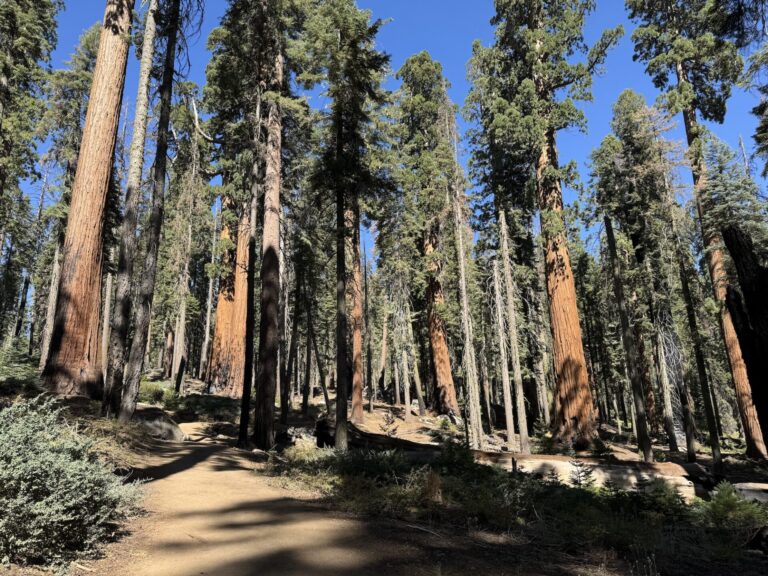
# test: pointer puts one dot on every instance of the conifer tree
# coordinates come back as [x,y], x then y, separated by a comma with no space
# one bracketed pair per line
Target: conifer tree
[340,47]
[524,91]
[426,178]
[681,39]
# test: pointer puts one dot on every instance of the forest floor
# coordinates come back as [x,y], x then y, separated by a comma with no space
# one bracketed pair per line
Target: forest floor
[208,513]
[213,509]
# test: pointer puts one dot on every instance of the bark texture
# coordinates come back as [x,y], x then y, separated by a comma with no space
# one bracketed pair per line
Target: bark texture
[574,418]
[228,356]
[444,397]
[356,416]
[269,303]
[74,367]
[752,321]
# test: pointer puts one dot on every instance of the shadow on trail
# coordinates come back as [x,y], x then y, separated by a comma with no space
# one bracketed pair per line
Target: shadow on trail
[179,457]
[289,537]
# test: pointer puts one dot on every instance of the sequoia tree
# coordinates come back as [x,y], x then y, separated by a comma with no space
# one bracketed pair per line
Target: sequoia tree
[524,91]
[74,367]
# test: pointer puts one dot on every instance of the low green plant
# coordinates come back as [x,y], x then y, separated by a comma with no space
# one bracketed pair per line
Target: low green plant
[152,393]
[58,500]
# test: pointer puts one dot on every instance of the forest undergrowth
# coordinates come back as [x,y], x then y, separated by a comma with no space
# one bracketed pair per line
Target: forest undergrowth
[651,528]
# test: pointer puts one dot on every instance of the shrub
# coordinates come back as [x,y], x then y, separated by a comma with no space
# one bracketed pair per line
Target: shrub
[57,500]
[152,393]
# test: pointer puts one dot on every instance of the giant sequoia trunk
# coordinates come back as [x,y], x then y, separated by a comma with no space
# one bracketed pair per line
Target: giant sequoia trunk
[444,397]
[716,264]
[147,287]
[228,354]
[574,419]
[750,313]
[233,359]
[74,367]
[269,330]
[632,353]
[118,337]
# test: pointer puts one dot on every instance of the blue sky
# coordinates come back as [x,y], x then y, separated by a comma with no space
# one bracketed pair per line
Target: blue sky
[447,28]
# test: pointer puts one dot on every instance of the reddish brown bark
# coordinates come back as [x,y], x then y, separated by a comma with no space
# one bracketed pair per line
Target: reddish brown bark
[74,366]
[227,359]
[444,397]
[574,419]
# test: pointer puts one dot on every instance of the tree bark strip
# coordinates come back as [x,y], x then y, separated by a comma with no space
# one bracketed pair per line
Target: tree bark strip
[574,420]
[74,367]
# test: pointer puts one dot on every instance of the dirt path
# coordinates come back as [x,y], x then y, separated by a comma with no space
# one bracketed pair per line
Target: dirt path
[210,514]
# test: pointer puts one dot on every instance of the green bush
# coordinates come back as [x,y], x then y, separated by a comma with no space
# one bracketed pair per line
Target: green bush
[58,500]
[152,393]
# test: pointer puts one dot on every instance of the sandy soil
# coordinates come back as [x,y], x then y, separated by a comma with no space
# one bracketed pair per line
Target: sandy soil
[208,513]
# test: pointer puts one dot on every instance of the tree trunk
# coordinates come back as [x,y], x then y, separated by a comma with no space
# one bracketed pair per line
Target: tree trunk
[416,375]
[269,302]
[631,351]
[218,366]
[245,399]
[22,308]
[208,308]
[368,335]
[356,416]
[517,375]
[444,397]
[118,338]
[752,323]
[50,307]
[474,411]
[716,264]
[147,287]
[342,376]
[574,410]
[105,327]
[396,379]
[307,386]
[286,378]
[74,366]
[379,383]
[406,387]
[231,361]
[505,387]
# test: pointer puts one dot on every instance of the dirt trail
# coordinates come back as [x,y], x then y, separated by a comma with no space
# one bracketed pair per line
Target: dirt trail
[210,514]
